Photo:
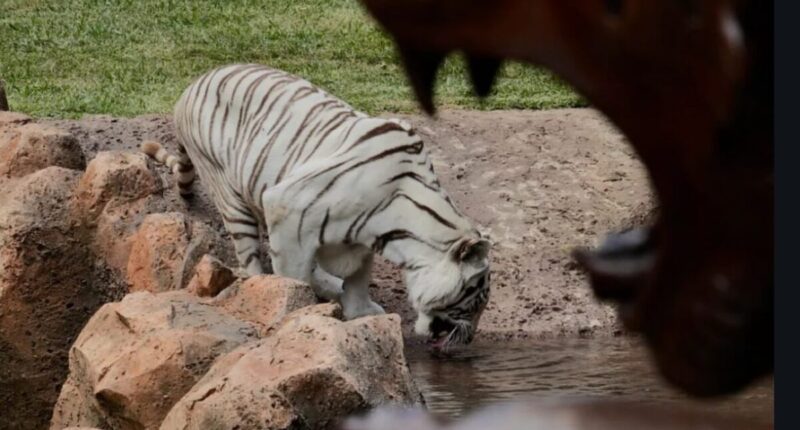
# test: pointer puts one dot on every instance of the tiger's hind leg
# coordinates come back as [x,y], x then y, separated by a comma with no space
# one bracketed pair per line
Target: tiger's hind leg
[289,258]
[243,228]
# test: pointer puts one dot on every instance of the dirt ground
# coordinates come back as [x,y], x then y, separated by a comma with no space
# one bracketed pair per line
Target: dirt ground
[539,183]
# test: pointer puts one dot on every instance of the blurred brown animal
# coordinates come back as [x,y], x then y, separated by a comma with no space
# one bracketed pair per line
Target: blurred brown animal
[690,83]
[3,99]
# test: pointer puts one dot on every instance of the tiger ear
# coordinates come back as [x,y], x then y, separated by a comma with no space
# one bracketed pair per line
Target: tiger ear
[472,251]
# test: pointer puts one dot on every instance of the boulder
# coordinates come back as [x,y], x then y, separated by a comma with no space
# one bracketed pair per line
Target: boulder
[13,119]
[330,310]
[164,251]
[210,277]
[266,299]
[114,178]
[203,240]
[32,147]
[74,409]
[50,284]
[311,373]
[115,194]
[157,252]
[116,226]
[136,358]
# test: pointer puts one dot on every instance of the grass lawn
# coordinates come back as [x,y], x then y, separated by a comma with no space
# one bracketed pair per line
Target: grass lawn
[64,58]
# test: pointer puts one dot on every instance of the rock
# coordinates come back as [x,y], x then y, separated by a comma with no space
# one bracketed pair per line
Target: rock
[116,226]
[13,119]
[164,251]
[50,284]
[113,179]
[210,277]
[32,147]
[74,408]
[115,194]
[330,310]
[157,253]
[311,373]
[266,299]
[202,240]
[136,358]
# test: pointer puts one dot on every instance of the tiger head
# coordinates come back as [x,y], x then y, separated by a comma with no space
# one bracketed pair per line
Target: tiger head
[451,294]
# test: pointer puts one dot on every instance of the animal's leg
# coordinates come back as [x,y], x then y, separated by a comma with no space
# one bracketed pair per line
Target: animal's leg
[294,266]
[325,285]
[355,298]
[243,229]
[289,259]
[295,262]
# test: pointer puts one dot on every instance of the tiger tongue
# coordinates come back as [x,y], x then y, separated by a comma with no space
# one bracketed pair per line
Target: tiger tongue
[437,342]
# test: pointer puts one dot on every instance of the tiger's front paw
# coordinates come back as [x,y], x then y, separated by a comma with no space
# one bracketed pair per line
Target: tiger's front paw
[361,310]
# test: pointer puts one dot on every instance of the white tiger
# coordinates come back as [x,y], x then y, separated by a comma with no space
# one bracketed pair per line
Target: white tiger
[331,185]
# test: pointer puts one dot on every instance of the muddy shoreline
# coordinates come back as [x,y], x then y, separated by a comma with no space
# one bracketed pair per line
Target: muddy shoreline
[538,182]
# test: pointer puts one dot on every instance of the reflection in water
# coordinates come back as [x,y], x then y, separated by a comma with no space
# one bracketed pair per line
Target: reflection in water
[615,368]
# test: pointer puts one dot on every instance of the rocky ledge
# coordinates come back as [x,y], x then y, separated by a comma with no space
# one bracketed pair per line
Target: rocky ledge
[115,313]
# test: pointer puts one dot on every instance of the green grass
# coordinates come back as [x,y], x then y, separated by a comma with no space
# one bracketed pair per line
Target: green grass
[65,58]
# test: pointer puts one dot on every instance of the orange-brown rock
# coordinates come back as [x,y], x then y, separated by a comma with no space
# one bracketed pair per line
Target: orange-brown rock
[210,277]
[117,224]
[157,252]
[163,252]
[136,358]
[13,119]
[74,408]
[10,122]
[311,373]
[32,147]
[114,178]
[115,194]
[50,284]
[266,299]
[330,310]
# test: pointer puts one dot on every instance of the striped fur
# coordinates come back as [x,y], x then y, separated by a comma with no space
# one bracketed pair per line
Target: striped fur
[181,166]
[331,186]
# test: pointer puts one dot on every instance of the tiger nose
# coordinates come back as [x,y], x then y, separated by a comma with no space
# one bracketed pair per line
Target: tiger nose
[439,325]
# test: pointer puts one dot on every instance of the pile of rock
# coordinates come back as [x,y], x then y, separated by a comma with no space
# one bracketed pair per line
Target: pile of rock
[50,280]
[174,360]
[76,235]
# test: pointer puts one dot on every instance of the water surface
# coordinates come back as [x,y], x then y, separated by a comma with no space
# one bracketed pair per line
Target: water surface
[616,369]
